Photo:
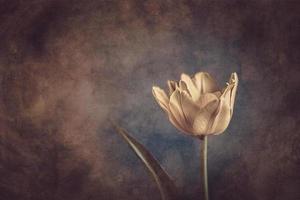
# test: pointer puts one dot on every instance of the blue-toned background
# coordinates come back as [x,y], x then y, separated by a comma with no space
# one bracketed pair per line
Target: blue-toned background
[67,66]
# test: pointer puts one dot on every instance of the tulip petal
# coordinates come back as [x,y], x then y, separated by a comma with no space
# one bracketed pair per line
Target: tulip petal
[161,98]
[176,124]
[223,113]
[233,80]
[163,101]
[172,86]
[206,99]
[189,107]
[191,86]
[183,85]
[204,118]
[176,109]
[205,83]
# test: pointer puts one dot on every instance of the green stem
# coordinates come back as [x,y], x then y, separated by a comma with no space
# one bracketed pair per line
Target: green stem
[203,163]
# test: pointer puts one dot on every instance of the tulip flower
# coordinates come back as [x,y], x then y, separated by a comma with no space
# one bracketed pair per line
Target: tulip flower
[196,106]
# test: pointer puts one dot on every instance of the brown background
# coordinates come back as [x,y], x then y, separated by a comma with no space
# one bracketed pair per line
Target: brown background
[66,66]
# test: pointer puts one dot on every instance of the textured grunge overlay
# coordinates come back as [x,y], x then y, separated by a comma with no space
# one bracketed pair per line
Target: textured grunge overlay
[67,66]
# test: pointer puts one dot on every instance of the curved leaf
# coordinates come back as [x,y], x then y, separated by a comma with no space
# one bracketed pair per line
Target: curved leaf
[165,184]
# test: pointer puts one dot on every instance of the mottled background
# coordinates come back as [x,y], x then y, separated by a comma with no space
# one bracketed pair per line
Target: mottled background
[66,66]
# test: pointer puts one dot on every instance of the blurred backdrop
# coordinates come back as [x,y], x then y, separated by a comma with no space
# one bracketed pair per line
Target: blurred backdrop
[67,66]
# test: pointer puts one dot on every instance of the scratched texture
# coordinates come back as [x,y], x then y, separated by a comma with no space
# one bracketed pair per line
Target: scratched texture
[67,66]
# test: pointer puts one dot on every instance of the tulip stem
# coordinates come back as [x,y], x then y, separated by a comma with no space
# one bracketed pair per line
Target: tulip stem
[203,163]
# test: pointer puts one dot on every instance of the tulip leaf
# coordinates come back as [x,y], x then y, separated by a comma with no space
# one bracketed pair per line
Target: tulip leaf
[165,184]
